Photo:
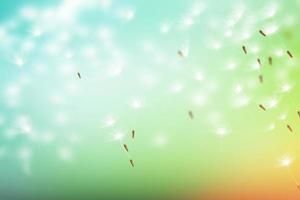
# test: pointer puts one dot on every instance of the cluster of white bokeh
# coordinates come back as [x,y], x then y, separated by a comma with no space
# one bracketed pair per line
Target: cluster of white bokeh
[50,46]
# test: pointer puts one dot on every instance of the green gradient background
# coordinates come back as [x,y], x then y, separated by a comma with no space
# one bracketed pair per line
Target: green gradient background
[195,163]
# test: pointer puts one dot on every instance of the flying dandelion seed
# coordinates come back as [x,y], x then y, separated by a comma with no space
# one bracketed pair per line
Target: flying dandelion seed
[131,162]
[262,33]
[191,115]
[132,134]
[125,147]
[262,107]
[290,54]
[183,53]
[261,78]
[79,76]
[289,127]
[259,62]
[244,49]
[270,60]
[180,53]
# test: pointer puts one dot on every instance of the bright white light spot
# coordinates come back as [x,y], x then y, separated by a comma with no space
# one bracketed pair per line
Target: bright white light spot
[238,89]
[269,30]
[231,66]
[285,161]
[187,22]
[282,117]
[136,103]
[160,140]
[271,10]
[110,121]
[19,61]
[271,127]
[272,103]
[279,52]
[165,28]
[199,76]
[118,136]
[221,131]
[286,87]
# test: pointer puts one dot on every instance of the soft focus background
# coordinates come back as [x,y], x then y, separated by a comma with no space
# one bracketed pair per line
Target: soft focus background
[144,65]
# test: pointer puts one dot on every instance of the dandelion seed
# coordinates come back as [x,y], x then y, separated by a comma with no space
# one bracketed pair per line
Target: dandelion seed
[262,33]
[262,107]
[180,54]
[131,162]
[259,62]
[261,79]
[299,113]
[270,60]
[289,53]
[244,49]
[125,147]
[79,76]
[191,114]
[133,134]
[289,127]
